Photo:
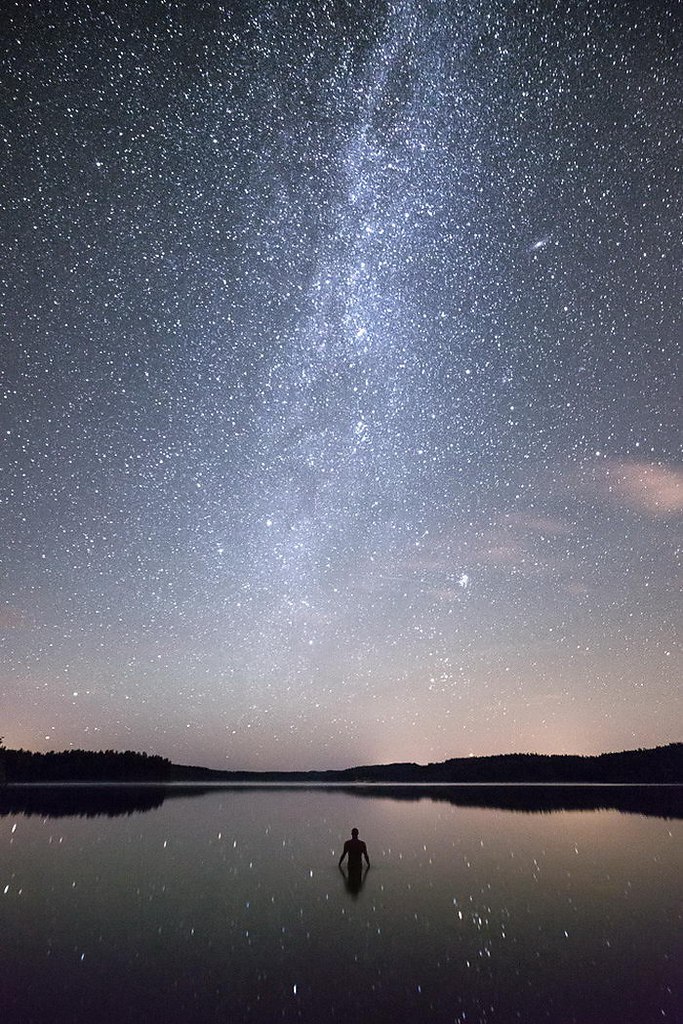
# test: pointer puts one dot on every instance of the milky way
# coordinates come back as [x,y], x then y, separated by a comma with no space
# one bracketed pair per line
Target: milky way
[339,410]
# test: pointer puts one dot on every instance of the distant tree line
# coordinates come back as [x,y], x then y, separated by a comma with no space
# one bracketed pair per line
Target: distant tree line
[653,765]
[83,766]
[656,765]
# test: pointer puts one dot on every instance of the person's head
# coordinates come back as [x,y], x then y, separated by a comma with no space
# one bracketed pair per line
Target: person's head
[354,833]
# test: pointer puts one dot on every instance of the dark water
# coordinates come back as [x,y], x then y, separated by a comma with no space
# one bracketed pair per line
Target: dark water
[229,906]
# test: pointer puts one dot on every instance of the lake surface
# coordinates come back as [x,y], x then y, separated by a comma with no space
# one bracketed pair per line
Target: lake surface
[229,906]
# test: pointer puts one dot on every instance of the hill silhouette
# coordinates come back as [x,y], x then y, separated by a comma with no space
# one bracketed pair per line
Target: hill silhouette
[656,765]
[83,766]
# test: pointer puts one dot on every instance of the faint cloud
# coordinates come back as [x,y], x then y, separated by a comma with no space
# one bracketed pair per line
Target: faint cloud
[495,553]
[549,526]
[579,588]
[646,486]
[11,618]
[446,594]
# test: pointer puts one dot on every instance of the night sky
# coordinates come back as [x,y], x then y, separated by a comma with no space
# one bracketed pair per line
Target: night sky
[339,412]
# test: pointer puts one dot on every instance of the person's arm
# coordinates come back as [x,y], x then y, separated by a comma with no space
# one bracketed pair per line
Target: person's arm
[365,854]
[346,850]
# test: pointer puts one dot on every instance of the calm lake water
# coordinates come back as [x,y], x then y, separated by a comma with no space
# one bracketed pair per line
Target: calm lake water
[229,906]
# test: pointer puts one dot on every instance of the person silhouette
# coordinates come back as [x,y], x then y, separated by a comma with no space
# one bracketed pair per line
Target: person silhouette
[355,849]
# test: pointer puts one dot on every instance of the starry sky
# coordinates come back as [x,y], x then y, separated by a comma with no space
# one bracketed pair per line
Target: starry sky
[338,408]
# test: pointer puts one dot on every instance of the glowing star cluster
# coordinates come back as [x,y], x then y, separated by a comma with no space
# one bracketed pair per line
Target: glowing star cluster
[338,408]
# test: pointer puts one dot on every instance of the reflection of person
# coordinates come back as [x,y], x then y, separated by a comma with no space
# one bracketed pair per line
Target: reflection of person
[355,849]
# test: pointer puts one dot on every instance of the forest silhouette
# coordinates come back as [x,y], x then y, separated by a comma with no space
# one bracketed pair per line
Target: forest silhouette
[657,765]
